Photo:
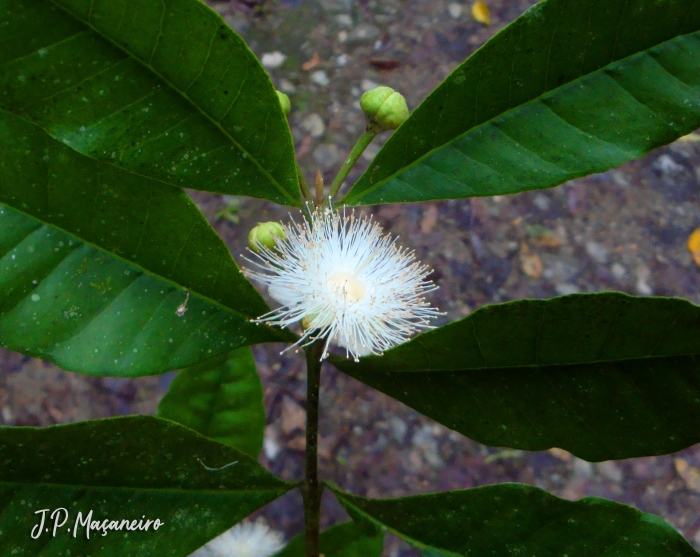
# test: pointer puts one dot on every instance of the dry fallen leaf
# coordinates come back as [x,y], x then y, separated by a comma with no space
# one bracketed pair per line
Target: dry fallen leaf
[694,245]
[540,235]
[561,454]
[530,263]
[297,444]
[692,137]
[293,416]
[548,241]
[384,64]
[481,13]
[504,454]
[430,217]
[689,474]
[55,413]
[315,61]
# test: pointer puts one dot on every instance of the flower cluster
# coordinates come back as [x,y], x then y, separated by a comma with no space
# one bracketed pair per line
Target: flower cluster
[347,281]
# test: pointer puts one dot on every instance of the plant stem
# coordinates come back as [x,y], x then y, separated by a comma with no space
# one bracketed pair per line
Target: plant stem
[312,489]
[365,139]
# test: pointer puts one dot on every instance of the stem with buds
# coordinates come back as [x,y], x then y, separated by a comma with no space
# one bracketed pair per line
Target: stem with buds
[311,489]
[362,143]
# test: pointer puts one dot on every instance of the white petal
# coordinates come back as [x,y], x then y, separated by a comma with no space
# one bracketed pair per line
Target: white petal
[283,294]
[355,349]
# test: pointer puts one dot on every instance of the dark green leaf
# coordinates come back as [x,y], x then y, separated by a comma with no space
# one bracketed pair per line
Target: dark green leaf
[94,261]
[164,89]
[605,376]
[570,88]
[515,519]
[342,540]
[124,468]
[222,400]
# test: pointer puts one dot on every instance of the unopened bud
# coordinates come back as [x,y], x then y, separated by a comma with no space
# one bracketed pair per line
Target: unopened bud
[284,101]
[266,234]
[384,108]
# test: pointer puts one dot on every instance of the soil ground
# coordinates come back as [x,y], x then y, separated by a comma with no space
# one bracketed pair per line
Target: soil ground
[623,230]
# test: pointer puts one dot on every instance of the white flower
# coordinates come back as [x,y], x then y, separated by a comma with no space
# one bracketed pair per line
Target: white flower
[246,539]
[347,281]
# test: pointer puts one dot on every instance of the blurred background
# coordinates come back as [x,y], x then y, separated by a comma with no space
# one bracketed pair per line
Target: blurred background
[625,230]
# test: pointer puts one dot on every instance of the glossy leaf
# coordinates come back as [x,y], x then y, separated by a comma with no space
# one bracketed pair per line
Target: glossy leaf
[164,89]
[222,400]
[570,88]
[605,376]
[89,252]
[342,540]
[124,468]
[515,519]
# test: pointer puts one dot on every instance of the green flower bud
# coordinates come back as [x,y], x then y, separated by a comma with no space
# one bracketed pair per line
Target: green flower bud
[384,108]
[372,100]
[265,234]
[284,101]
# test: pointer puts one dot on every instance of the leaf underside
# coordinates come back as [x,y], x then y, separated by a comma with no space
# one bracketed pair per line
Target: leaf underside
[124,468]
[515,519]
[163,89]
[605,376]
[570,88]
[222,400]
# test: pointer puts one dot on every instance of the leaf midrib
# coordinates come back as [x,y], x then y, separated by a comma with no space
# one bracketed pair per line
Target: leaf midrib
[348,198]
[145,271]
[377,369]
[184,95]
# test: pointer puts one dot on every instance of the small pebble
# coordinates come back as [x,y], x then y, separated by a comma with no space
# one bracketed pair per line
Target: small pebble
[541,201]
[364,32]
[313,125]
[667,166]
[273,60]
[344,19]
[271,448]
[582,468]
[643,275]
[455,10]
[398,428]
[598,252]
[618,270]
[610,471]
[320,78]
[368,84]
[566,288]
[287,87]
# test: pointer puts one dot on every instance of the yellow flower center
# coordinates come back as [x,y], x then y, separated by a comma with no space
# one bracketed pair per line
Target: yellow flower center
[347,286]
